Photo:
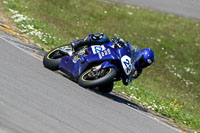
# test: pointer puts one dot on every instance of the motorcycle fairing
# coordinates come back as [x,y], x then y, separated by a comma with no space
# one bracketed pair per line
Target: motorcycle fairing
[76,65]
[70,65]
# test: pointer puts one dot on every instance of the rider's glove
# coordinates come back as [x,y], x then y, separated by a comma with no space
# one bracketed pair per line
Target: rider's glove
[119,43]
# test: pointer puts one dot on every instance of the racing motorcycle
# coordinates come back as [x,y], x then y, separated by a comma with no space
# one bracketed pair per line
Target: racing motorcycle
[94,66]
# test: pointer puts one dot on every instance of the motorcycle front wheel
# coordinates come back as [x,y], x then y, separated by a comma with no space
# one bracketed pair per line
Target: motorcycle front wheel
[52,59]
[102,77]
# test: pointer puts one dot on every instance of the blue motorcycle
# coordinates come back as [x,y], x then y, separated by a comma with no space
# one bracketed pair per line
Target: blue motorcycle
[94,66]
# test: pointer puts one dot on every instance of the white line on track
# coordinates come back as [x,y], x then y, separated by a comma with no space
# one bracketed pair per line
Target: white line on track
[17,46]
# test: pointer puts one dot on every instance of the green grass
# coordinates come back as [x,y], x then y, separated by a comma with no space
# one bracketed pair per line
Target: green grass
[175,40]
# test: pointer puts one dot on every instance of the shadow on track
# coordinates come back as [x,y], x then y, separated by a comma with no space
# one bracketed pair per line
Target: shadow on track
[113,96]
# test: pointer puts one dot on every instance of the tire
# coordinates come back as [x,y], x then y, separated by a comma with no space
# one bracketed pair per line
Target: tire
[106,88]
[107,78]
[51,60]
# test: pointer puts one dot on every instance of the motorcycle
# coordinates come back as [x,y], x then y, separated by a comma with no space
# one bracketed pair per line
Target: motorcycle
[95,66]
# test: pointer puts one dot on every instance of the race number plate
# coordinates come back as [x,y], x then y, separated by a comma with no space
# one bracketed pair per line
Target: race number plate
[126,63]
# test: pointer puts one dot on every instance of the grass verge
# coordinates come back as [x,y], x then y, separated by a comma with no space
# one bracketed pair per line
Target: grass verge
[170,86]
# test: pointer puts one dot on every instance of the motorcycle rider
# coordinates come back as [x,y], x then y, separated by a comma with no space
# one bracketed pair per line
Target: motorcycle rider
[91,39]
[146,55]
[146,58]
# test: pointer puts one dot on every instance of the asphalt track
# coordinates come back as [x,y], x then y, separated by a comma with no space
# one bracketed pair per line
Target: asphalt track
[187,8]
[36,100]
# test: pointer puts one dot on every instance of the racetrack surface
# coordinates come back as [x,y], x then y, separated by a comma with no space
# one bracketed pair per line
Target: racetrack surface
[187,8]
[36,100]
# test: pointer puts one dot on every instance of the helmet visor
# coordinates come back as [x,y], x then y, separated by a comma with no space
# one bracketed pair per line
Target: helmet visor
[143,63]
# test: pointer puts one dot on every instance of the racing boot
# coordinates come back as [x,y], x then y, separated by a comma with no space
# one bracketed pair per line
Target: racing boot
[79,43]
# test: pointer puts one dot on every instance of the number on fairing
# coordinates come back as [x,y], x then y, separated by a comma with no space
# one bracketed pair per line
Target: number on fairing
[126,63]
[97,48]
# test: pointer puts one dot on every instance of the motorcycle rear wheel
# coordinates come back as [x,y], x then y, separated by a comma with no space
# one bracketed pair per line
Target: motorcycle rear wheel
[52,59]
[91,81]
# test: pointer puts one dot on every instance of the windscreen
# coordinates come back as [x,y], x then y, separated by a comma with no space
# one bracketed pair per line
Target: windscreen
[135,53]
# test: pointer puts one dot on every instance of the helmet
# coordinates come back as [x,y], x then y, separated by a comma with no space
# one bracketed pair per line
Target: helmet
[147,57]
[98,38]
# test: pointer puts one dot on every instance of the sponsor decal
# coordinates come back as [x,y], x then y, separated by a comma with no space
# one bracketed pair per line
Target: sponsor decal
[149,61]
[104,53]
[76,59]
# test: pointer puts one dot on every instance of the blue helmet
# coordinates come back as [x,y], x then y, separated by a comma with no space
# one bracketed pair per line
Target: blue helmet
[148,57]
[98,38]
